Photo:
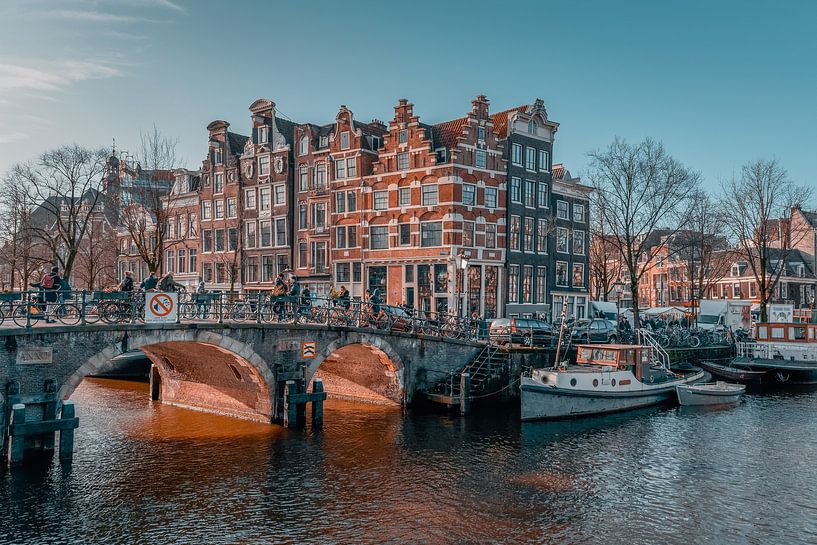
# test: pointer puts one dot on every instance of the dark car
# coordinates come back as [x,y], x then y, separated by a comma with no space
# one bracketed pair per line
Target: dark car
[526,331]
[597,330]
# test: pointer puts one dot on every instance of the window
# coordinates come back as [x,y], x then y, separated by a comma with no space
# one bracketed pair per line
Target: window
[340,237]
[469,194]
[490,235]
[752,290]
[561,240]
[280,194]
[516,154]
[351,167]
[431,233]
[530,159]
[578,242]
[303,145]
[481,159]
[562,210]
[341,272]
[344,140]
[218,156]
[281,263]
[543,195]
[578,213]
[351,201]
[220,242]
[231,209]
[402,136]
[481,134]
[405,196]
[381,200]
[403,161]
[249,198]
[193,258]
[578,275]
[263,165]
[263,135]
[527,284]
[266,268]
[169,261]
[207,240]
[736,290]
[303,178]
[490,197]
[324,141]
[264,197]
[561,273]
[513,283]
[250,234]
[404,230]
[529,222]
[468,233]
[319,216]
[266,233]
[351,236]
[232,239]
[206,210]
[357,272]
[251,270]
[542,236]
[281,232]
[430,194]
[409,274]
[320,176]
[302,247]
[515,226]
[219,211]
[516,189]
[544,160]
[530,193]
[541,284]
[379,237]
[340,202]
[207,272]
[303,221]
[340,169]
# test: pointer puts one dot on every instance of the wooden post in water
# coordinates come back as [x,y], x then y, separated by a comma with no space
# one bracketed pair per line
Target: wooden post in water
[17,443]
[290,408]
[317,404]
[67,435]
[465,393]
[302,384]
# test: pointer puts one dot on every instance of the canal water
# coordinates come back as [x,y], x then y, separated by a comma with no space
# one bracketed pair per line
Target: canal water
[148,473]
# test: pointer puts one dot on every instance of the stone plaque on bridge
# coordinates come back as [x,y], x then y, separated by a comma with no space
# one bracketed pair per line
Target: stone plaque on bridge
[33,355]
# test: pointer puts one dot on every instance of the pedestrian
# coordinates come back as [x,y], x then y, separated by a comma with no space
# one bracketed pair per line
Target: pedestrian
[150,282]
[50,284]
[65,289]
[168,284]
[202,303]
[127,283]
[344,298]
[375,302]
[306,300]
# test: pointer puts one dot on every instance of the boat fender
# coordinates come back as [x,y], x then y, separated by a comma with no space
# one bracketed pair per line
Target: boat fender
[652,379]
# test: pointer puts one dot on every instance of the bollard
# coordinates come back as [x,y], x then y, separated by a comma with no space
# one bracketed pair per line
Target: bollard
[465,393]
[290,408]
[317,404]
[82,310]
[67,435]
[28,309]
[17,443]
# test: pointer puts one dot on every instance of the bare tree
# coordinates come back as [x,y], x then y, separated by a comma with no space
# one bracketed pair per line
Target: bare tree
[20,253]
[758,208]
[65,186]
[146,214]
[603,257]
[95,265]
[644,190]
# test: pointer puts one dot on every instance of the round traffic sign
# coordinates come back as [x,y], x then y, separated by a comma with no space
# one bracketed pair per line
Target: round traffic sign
[161,305]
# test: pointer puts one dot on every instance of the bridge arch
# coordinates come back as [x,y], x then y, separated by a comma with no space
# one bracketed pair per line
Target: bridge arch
[239,382]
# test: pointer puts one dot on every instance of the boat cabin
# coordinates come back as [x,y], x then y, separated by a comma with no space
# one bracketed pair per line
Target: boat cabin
[786,333]
[620,356]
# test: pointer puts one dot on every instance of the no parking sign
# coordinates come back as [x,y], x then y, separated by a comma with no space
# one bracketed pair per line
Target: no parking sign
[161,307]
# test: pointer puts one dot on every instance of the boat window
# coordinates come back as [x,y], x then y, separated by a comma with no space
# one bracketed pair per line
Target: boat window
[763,332]
[585,354]
[798,333]
[778,333]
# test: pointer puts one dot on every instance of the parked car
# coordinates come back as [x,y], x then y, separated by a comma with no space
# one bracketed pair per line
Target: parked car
[526,331]
[597,330]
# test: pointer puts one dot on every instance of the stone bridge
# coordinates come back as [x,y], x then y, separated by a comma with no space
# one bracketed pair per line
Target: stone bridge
[234,369]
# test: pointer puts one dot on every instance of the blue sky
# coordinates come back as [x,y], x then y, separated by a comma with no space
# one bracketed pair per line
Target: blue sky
[720,83]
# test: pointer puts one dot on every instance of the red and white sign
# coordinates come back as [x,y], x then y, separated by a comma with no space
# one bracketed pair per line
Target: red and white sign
[309,350]
[161,308]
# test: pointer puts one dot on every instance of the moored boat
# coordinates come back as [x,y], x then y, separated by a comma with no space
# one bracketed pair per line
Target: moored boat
[787,353]
[718,393]
[606,378]
[735,374]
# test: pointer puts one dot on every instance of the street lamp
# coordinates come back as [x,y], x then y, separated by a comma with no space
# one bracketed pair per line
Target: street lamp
[618,289]
[462,265]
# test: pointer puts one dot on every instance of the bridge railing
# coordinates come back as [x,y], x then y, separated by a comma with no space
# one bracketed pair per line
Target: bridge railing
[37,308]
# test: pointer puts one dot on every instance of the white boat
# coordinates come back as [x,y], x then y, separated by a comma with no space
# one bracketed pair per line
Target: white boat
[718,393]
[606,378]
[787,352]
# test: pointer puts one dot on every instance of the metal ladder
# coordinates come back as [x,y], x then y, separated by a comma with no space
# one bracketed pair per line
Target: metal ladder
[659,355]
[483,370]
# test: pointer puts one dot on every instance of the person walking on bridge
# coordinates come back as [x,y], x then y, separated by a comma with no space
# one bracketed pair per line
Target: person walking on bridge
[168,284]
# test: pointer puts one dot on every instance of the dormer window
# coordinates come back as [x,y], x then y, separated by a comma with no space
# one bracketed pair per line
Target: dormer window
[303,145]
[324,142]
[375,142]
[263,135]
[532,127]
[442,155]
[481,134]
[217,156]
[403,136]
[344,140]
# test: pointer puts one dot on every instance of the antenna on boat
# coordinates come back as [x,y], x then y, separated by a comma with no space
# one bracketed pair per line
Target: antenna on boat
[561,332]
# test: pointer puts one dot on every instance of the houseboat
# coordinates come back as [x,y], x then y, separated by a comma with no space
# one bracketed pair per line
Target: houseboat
[606,378]
[786,352]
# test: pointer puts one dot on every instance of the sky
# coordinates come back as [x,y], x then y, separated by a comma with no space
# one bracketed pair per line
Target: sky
[720,83]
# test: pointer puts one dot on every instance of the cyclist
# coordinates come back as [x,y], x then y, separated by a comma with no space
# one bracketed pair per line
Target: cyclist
[150,282]
[344,299]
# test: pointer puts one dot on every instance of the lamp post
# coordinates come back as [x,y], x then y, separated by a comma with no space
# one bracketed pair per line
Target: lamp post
[461,262]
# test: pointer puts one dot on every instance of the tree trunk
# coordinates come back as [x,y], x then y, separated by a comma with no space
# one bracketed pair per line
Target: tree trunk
[634,294]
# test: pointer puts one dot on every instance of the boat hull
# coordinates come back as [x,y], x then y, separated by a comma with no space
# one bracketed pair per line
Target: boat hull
[781,371]
[743,376]
[542,402]
[694,397]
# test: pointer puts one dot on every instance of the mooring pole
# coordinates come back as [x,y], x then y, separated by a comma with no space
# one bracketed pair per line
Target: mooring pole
[465,393]
[317,404]
[290,409]
[67,435]
[17,443]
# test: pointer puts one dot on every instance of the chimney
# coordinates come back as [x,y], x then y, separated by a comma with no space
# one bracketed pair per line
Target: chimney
[376,123]
[479,107]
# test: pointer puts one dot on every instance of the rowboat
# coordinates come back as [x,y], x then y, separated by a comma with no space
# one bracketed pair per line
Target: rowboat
[717,393]
[734,374]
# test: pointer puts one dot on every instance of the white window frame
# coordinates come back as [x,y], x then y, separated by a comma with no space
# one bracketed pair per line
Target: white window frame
[426,196]
[580,209]
[472,189]
[559,210]
[530,159]
[249,198]
[382,197]
[544,160]
[516,154]
[481,159]
[345,140]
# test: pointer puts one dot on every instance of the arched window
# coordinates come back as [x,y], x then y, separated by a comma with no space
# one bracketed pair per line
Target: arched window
[531,127]
[303,146]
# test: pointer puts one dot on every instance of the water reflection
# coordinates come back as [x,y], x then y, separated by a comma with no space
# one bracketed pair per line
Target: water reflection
[149,473]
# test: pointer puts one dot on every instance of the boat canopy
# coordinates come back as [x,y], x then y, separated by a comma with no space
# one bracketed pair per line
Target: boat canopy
[615,355]
[675,312]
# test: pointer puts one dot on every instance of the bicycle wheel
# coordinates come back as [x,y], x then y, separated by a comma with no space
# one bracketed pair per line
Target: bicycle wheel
[187,311]
[110,313]
[68,314]
[20,315]
[91,313]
